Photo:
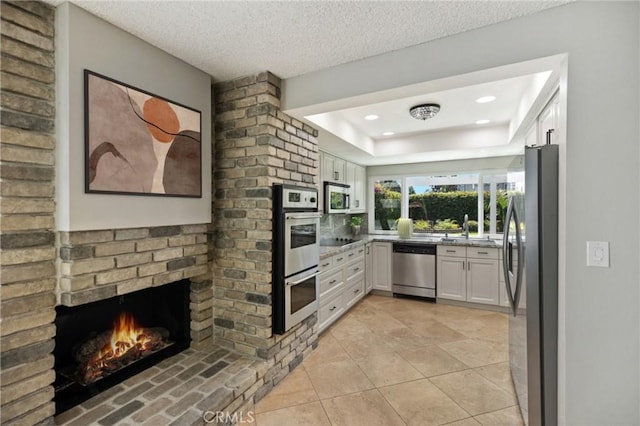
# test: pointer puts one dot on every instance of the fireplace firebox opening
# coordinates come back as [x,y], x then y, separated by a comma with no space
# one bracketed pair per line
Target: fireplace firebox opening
[101,344]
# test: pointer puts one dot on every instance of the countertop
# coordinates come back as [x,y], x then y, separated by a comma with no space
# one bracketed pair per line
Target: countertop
[327,251]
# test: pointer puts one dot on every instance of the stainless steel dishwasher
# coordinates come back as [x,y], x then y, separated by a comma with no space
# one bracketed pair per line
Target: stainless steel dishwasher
[414,269]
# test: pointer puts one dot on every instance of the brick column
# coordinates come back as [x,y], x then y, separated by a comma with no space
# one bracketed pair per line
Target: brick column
[256,146]
[28,239]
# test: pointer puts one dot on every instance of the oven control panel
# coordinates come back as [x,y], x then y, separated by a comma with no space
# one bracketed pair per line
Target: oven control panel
[299,198]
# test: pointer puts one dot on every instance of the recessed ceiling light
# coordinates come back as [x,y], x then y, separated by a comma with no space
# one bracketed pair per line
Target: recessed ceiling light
[389,133]
[371,117]
[483,121]
[485,99]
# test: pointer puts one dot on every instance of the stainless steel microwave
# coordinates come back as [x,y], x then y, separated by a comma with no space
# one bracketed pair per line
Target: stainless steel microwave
[336,197]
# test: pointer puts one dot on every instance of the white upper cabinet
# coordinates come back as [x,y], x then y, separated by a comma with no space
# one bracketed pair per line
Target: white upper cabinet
[548,121]
[356,179]
[333,168]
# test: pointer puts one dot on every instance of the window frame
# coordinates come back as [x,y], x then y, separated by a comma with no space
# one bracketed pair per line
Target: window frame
[490,176]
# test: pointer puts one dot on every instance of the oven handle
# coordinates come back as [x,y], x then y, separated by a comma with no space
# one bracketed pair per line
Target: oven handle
[305,216]
[293,283]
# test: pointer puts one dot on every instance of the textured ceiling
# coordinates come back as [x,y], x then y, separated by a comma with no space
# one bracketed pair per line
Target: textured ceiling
[229,39]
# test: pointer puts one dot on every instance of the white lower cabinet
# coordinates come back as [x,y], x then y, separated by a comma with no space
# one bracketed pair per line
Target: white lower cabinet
[330,310]
[452,278]
[342,284]
[381,259]
[354,283]
[469,274]
[482,281]
[368,268]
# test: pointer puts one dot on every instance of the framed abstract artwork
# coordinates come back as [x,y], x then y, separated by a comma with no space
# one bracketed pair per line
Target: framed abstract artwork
[139,143]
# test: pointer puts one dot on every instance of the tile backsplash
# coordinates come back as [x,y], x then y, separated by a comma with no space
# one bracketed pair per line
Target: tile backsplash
[337,225]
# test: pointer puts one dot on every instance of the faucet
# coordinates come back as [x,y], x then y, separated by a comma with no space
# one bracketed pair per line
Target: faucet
[465,227]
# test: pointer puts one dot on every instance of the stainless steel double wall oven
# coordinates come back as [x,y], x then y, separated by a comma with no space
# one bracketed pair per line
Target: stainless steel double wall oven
[296,255]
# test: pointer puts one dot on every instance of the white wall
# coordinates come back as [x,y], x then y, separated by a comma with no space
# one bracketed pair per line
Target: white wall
[85,41]
[444,167]
[599,377]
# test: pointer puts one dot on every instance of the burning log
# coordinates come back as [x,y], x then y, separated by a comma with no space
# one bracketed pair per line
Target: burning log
[107,352]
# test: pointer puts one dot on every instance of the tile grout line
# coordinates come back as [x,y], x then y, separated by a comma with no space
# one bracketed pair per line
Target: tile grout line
[346,337]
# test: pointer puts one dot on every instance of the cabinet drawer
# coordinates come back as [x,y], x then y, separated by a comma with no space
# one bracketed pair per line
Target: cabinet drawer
[353,268]
[329,281]
[355,253]
[339,259]
[359,276]
[360,250]
[452,251]
[331,310]
[353,293]
[483,252]
[326,263]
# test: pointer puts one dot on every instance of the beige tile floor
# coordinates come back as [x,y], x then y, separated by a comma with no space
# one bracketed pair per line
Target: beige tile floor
[393,361]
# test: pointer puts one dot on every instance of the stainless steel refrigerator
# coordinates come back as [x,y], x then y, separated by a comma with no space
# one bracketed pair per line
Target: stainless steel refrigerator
[530,262]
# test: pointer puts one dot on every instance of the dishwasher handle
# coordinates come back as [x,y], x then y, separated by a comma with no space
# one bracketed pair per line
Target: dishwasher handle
[428,249]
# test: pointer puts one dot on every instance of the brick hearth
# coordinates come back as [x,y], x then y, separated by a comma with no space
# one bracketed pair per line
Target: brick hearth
[177,391]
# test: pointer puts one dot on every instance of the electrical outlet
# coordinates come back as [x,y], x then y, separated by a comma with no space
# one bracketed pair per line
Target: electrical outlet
[598,254]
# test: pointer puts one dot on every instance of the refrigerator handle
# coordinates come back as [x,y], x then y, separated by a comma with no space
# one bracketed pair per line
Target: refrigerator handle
[516,297]
[506,256]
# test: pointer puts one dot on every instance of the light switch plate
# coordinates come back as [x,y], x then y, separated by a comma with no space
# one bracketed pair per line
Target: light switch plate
[598,254]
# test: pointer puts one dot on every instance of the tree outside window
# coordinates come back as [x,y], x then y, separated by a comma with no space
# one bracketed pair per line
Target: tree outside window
[387,196]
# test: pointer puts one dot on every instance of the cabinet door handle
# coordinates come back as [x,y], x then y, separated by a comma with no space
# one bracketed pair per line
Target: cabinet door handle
[463,265]
[351,254]
[326,264]
[451,251]
[335,175]
[360,251]
[483,252]
[356,270]
[332,281]
[333,308]
[357,203]
[340,258]
[356,291]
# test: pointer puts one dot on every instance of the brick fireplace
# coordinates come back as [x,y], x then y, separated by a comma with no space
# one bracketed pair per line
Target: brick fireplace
[234,359]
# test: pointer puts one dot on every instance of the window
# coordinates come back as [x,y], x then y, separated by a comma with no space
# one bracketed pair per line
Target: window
[438,203]
[387,200]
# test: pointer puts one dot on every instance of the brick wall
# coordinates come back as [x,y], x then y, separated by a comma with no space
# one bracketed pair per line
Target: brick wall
[256,145]
[40,267]
[28,240]
[96,265]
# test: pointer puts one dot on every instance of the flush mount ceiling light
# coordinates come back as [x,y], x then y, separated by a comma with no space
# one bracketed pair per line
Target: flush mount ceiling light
[388,133]
[424,111]
[371,117]
[485,99]
[483,121]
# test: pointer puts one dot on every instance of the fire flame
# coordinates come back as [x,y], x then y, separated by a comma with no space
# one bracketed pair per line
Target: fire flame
[113,350]
[125,335]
